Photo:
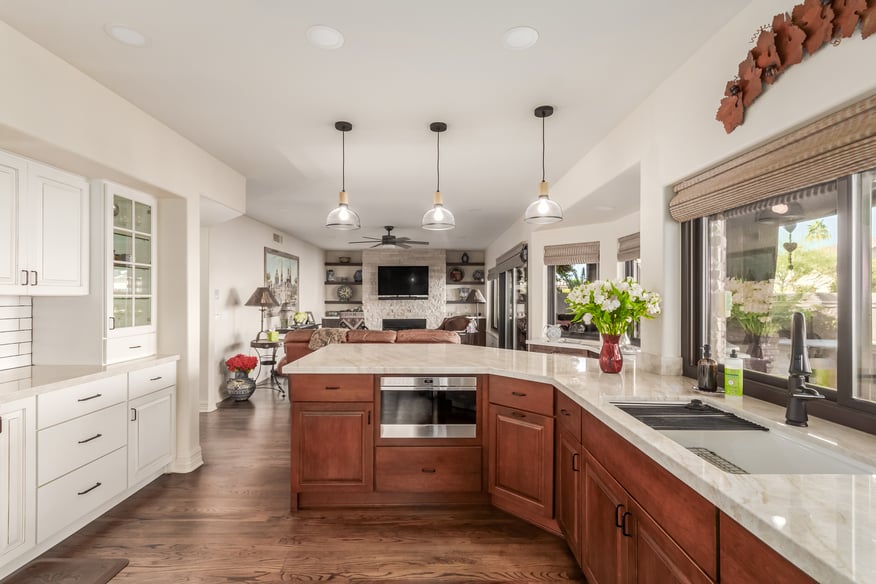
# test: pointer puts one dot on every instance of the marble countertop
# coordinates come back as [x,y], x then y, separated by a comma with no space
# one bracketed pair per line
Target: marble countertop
[25,382]
[825,524]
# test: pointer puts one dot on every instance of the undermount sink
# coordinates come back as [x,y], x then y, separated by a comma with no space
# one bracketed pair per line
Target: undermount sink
[736,445]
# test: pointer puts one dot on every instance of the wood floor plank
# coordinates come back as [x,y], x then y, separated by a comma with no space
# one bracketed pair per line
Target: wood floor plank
[229,522]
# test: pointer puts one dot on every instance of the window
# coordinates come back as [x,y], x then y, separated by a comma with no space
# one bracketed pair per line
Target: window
[561,280]
[807,251]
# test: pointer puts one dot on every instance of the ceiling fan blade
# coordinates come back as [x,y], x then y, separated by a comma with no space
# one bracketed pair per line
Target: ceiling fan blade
[416,242]
[378,245]
[402,244]
[368,241]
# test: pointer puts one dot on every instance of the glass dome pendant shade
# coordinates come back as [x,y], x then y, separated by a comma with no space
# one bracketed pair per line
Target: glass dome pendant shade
[543,210]
[343,218]
[439,217]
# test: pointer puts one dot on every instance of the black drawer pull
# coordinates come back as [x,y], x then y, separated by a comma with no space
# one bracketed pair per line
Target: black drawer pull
[332,387]
[518,393]
[427,470]
[575,466]
[617,519]
[518,415]
[154,378]
[89,489]
[624,524]
[565,412]
[95,437]
[95,396]
[135,347]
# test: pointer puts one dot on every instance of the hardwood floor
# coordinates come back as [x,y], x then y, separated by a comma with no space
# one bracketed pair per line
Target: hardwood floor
[229,521]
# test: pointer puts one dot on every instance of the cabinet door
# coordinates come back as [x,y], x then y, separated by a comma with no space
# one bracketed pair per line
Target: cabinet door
[570,466]
[150,433]
[745,558]
[654,557]
[12,173]
[605,547]
[17,477]
[57,232]
[332,447]
[522,460]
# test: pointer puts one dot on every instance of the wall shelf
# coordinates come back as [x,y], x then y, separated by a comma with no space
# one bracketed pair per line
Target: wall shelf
[344,264]
[343,302]
[341,283]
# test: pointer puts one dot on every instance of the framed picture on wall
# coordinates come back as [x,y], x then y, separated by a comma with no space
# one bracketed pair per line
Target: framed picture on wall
[281,277]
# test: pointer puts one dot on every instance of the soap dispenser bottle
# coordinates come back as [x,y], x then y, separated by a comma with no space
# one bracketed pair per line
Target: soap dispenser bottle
[707,371]
[733,374]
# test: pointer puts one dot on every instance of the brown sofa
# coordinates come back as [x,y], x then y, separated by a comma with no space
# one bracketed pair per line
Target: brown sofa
[297,343]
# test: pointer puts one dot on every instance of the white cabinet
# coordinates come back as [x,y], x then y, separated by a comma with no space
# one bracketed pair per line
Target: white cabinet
[17,478]
[151,421]
[45,218]
[116,322]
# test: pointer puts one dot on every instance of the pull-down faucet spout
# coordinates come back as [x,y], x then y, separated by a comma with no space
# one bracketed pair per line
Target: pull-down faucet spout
[798,374]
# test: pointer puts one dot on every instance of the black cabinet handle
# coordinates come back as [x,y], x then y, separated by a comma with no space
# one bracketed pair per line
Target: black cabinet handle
[518,393]
[135,346]
[35,278]
[84,399]
[133,414]
[427,470]
[624,518]
[565,412]
[518,415]
[89,489]
[95,437]
[26,277]
[332,387]
[154,378]
[617,519]
[575,466]
[369,417]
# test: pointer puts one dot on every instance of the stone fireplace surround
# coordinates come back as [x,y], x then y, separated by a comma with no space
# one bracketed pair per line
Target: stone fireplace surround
[431,309]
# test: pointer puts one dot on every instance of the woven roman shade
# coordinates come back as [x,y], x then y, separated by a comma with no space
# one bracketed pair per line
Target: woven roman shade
[572,253]
[836,145]
[628,247]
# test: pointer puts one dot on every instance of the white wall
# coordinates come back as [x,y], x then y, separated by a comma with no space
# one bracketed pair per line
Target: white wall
[673,134]
[236,268]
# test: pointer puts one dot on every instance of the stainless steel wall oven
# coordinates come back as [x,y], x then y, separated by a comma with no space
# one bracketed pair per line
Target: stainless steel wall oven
[428,407]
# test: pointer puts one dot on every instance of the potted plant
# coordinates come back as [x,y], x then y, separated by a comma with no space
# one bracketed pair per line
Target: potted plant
[240,386]
[612,306]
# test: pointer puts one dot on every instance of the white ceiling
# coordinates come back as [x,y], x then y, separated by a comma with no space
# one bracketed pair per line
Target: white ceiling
[238,78]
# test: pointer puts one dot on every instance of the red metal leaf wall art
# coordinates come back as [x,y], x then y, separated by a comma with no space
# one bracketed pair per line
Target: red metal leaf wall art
[806,30]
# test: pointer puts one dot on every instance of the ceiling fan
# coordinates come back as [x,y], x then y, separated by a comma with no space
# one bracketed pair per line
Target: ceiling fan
[390,240]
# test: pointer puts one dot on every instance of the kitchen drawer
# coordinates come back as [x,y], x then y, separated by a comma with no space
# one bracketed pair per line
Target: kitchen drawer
[524,395]
[332,388]
[568,416]
[71,402]
[145,381]
[428,469]
[72,444]
[74,495]
[134,347]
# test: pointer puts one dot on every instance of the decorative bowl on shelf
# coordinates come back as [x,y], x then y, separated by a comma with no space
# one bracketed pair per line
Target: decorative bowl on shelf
[344,259]
[478,276]
[345,292]
[456,274]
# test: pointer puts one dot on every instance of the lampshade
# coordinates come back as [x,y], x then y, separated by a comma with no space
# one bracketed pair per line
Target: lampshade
[342,217]
[543,210]
[262,297]
[438,218]
[475,296]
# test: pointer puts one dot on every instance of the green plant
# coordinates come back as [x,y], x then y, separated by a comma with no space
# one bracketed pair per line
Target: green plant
[612,305]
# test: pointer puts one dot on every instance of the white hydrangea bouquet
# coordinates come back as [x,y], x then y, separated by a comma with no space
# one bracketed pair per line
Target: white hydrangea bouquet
[612,305]
[753,305]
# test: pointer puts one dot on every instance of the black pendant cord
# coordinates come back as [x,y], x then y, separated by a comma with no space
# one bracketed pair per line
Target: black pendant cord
[343,163]
[438,161]
[542,150]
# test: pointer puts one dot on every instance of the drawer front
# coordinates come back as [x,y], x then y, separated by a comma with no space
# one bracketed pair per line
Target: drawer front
[133,347]
[67,446]
[568,416]
[145,381]
[65,404]
[76,494]
[428,469]
[331,388]
[523,395]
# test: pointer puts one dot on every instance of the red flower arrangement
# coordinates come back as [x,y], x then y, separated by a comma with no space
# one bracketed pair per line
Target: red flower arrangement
[242,362]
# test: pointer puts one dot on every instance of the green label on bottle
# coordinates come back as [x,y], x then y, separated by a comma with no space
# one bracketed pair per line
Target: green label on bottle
[732,381]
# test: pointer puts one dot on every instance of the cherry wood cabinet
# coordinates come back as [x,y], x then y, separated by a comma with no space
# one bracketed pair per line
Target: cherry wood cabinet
[745,558]
[569,493]
[428,469]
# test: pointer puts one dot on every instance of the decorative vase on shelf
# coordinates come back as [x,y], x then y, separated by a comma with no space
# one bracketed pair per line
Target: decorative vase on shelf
[611,360]
[240,387]
[464,257]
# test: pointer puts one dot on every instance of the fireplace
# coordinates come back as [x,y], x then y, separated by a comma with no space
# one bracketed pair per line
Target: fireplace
[400,324]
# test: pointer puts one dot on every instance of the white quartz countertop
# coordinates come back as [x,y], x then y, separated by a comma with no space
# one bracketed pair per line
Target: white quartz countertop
[25,382]
[825,524]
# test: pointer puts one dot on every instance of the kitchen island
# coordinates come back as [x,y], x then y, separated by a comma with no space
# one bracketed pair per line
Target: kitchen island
[824,524]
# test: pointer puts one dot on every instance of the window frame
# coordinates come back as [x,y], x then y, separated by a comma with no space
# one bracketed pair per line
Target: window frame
[552,304]
[840,405]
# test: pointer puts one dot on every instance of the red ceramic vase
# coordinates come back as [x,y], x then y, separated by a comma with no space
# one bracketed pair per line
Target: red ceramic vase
[610,358]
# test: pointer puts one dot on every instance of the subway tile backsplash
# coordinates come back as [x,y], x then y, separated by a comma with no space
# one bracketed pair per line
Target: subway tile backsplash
[16,326]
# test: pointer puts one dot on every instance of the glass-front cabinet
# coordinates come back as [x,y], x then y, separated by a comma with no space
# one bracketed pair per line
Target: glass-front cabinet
[132,265]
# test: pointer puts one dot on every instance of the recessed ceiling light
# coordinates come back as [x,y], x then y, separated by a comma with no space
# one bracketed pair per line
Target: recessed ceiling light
[126,36]
[325,37]
[520,37]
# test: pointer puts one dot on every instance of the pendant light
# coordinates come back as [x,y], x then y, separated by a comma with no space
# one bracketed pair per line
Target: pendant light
[438,218]
[343,218]
[543,210]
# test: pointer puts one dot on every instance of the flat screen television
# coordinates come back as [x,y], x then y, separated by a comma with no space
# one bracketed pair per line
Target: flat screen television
[402,281]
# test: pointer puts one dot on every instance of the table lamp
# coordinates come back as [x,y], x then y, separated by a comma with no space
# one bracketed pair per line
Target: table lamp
[474,297]
[263,298]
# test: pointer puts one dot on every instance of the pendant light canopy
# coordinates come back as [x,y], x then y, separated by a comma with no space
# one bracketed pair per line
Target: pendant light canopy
[543,210]
[438,218]
[343,218]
